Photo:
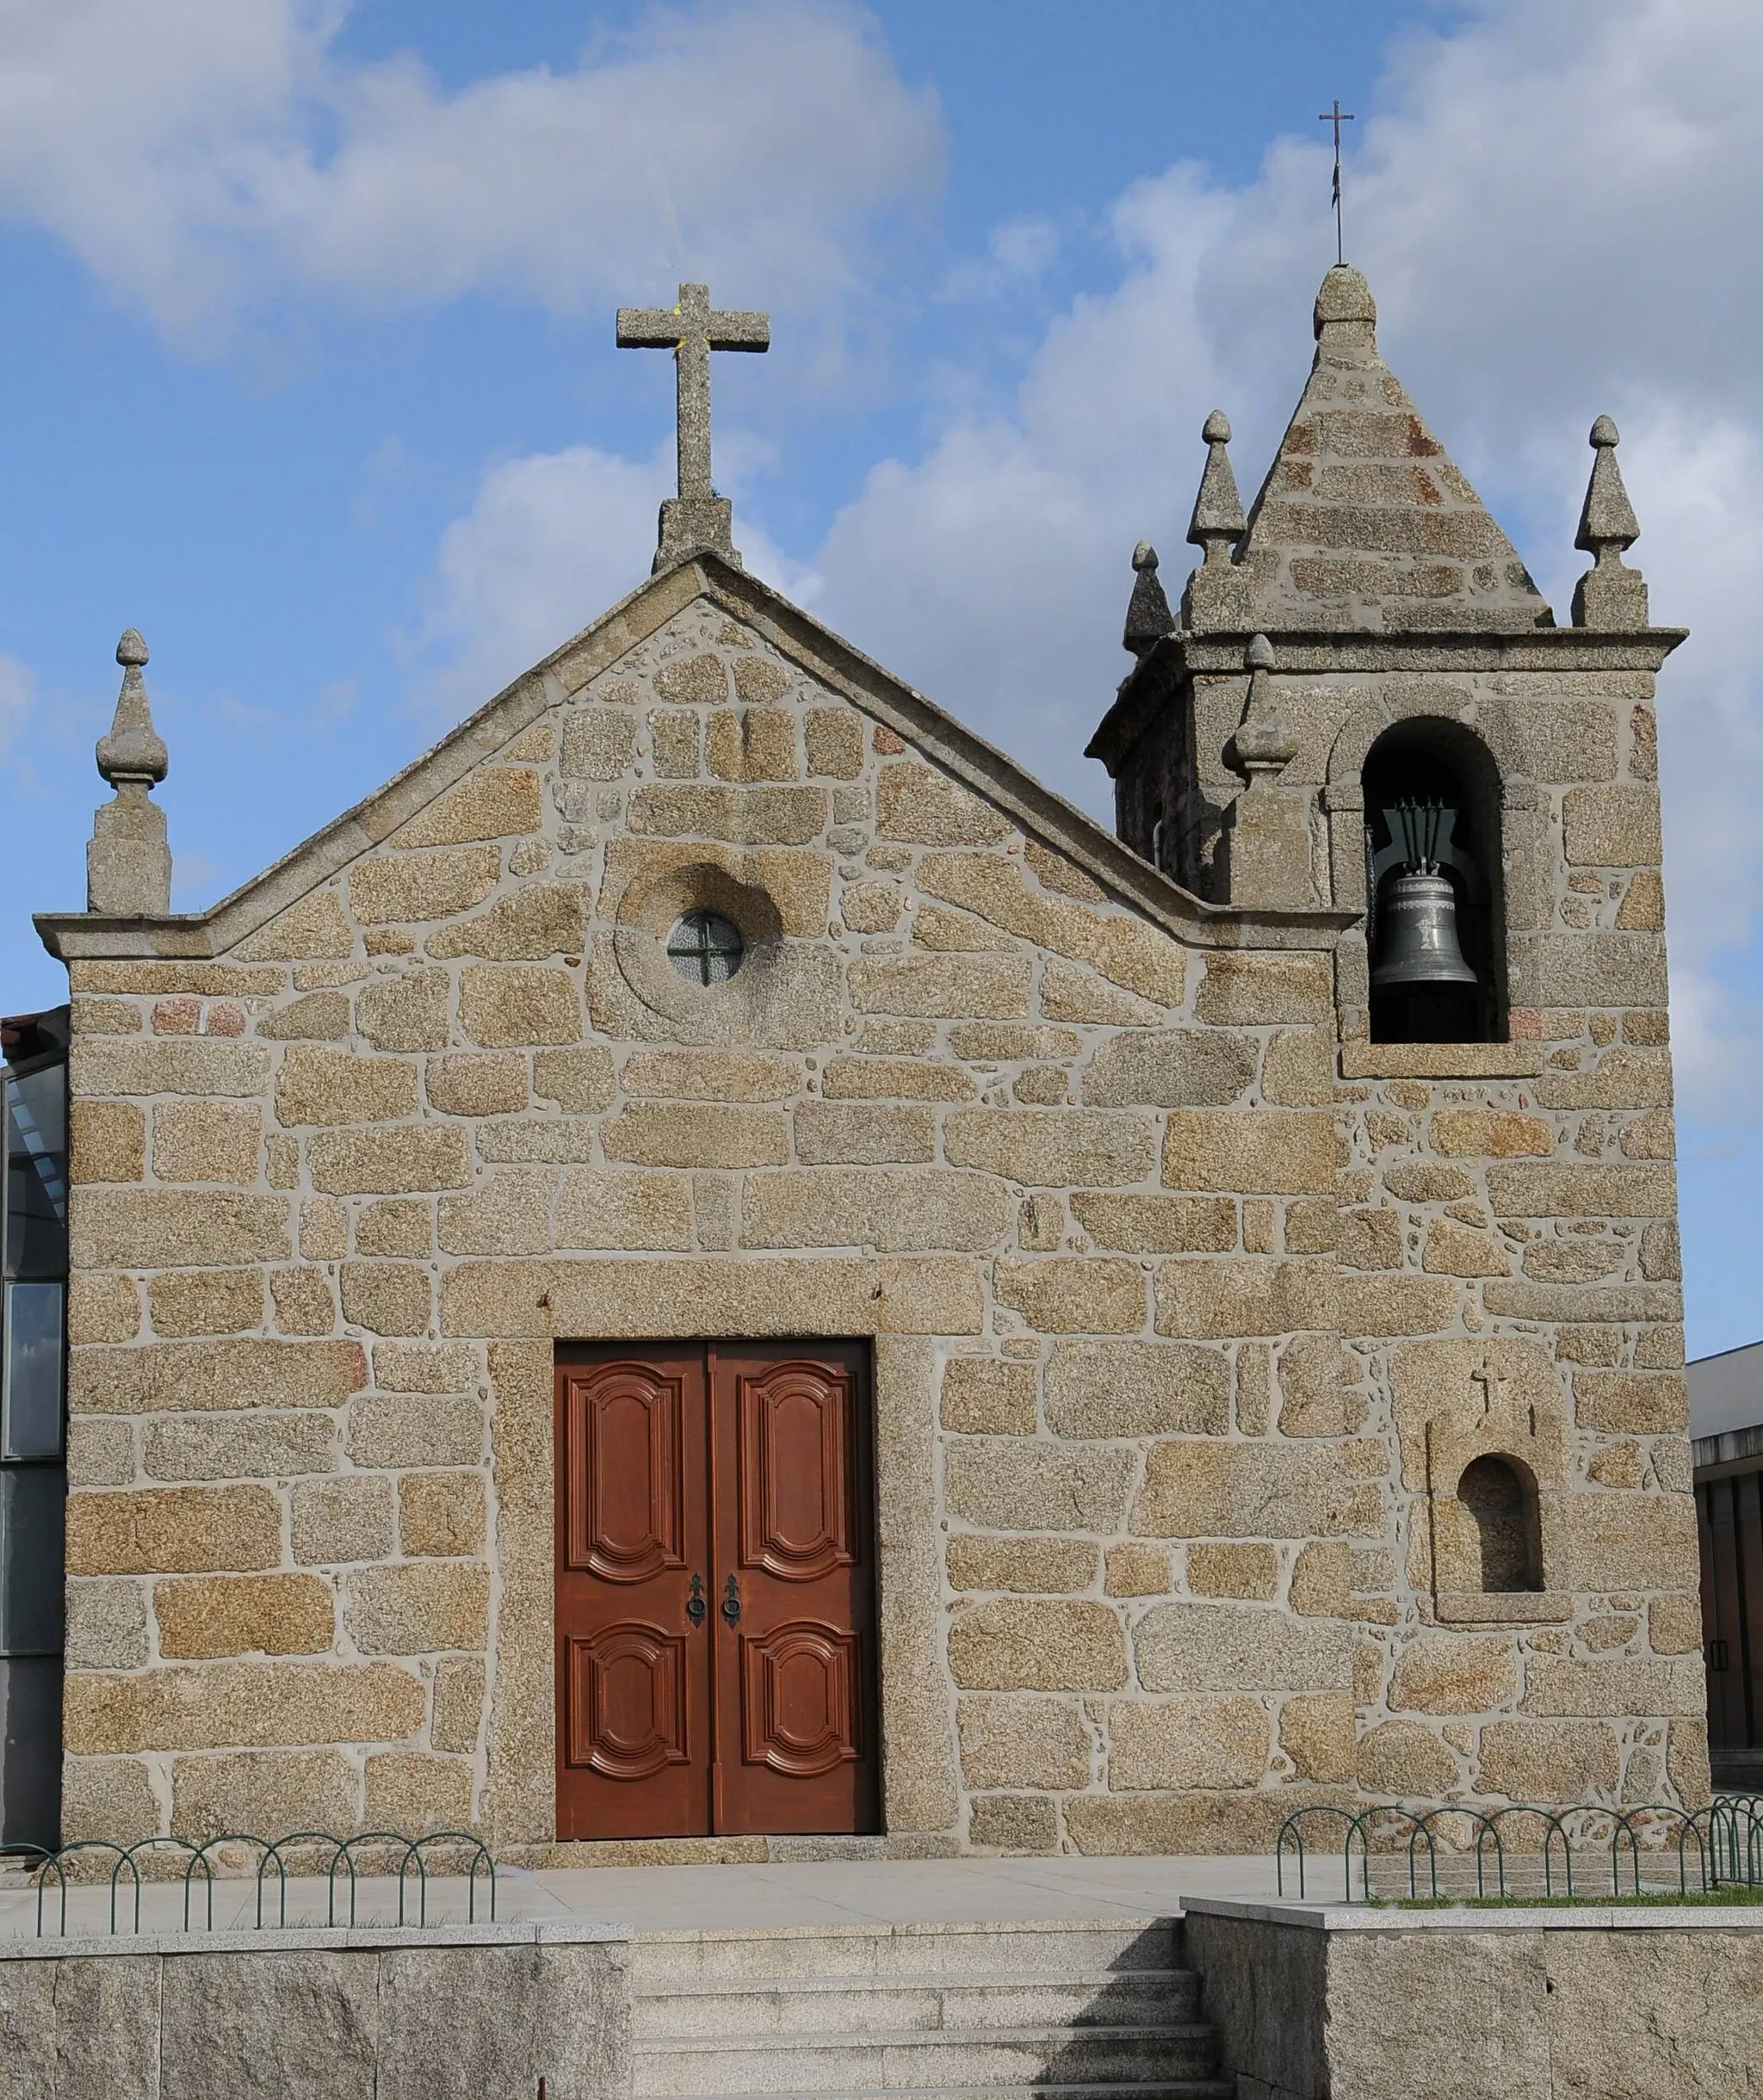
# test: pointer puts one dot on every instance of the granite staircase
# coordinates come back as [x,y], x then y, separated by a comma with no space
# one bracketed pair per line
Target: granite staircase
[1094,2011]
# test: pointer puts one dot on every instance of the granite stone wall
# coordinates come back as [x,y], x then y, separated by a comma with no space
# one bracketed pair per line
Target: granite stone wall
[1182,1310]
[1317,2004]
[363,2013]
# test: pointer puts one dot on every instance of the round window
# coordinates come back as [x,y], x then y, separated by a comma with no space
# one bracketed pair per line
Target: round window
[705,948]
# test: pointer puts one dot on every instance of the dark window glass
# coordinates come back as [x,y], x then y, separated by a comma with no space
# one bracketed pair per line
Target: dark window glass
[33,1504]
[30,1372]
[33,1485]
[36,1173]
[705,948]
[30,1751]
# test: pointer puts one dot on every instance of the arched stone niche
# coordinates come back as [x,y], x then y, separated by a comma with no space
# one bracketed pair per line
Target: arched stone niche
[1498,1496]
[1459,1404]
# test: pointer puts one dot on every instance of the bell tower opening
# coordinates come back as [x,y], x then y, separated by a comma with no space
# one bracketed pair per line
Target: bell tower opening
[1435,911]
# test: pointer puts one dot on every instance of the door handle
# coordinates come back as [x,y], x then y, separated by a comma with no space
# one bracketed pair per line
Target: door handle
[730,1602]
[694,1606]
[1716,1656]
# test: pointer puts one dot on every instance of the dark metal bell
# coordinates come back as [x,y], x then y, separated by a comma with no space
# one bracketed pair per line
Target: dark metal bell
[1417,916]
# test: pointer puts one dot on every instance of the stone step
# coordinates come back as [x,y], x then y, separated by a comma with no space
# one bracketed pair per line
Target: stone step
[912,2061]
[793,2005]
[1019,1947]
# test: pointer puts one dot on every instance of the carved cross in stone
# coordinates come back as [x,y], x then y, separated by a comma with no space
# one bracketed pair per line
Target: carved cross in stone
[691,329]
[1493,1385]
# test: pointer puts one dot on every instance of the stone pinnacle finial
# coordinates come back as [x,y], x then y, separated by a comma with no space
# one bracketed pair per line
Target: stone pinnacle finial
[1610,594]
[128,862]
[1218,522]
[1264,741]
[1346,318]
[1148,618]
[1268,853]
[134,749]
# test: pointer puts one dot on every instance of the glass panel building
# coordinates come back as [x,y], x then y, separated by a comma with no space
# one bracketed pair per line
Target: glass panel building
[32,1415]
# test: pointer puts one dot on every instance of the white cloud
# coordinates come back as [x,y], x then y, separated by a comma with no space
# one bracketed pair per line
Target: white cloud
[18,698]
[550,542]
[199,156]
[994,572]
[1698,488]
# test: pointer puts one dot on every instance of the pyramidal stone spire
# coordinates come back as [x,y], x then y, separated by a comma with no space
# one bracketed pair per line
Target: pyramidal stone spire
[128,861]
[1217,595]
[1148,618]
[1610,594]
[1364,522]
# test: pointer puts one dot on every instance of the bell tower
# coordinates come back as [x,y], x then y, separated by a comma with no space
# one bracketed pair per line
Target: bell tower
[1364,729]
[1365,704]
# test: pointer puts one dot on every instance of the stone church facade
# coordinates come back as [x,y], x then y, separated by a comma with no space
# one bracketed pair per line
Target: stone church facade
[1180,1291]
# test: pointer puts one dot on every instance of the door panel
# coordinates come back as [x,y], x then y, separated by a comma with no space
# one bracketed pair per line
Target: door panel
[795,1747]
[794,1436]
[628,1702]
[626,1444]
[800,1710]
[634,1668]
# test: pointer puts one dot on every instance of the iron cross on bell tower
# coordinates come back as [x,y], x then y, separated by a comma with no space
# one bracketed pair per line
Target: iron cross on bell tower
[697,519]
[1337,116]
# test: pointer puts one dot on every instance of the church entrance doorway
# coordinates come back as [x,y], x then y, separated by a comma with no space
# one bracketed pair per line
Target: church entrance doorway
[715,1590]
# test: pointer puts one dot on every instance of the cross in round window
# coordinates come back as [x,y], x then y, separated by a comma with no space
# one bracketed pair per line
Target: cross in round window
[705,948]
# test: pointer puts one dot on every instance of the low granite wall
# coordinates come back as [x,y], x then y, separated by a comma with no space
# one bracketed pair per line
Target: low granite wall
[1324,2003]
[443,2013]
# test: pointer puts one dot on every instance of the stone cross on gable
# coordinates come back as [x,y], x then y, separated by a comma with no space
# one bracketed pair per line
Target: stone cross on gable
[697,519]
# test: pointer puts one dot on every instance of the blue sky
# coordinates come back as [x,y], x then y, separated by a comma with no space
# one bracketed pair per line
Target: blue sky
[308,371]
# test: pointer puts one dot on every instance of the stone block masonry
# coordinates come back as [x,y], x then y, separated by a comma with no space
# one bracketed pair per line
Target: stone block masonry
[448,2013]
[1169,1318]
[1319,2002]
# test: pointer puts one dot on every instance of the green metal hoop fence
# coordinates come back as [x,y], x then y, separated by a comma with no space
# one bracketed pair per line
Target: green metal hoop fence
[1500,1854]
[344,1862]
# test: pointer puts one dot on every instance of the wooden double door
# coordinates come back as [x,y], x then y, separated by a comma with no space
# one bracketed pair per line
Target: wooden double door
[715,1590]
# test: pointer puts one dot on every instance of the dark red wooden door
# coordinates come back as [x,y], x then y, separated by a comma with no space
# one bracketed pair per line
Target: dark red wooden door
[633,1670]
[795,1724]
[715,1617]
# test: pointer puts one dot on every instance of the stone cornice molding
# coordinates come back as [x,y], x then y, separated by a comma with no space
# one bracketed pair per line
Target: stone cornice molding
[1046,817]
[1330,653]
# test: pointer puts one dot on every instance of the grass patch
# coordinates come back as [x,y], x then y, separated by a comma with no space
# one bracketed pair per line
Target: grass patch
[1710,1899]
